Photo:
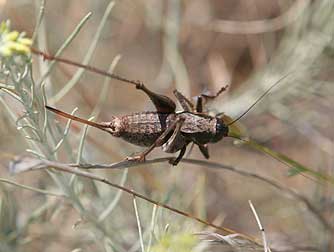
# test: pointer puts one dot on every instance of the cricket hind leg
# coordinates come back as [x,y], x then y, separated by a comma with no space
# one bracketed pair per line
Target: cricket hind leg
[202,97]
[175,126]
[162,103]
[186,104]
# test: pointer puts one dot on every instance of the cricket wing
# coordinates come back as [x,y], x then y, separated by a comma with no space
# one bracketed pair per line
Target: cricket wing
[198,124]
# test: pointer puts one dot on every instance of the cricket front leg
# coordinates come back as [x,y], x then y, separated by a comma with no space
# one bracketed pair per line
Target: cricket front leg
[199,104]
[176,125]
[162,103]
[204,150]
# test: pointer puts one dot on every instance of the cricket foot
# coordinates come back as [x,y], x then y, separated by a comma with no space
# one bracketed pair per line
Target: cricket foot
[137,158]
[173,161]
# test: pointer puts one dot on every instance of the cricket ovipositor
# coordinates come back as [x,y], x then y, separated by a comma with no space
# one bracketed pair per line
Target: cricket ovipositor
[166,127]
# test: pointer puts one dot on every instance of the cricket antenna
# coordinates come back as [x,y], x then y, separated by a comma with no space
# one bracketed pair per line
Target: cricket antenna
[259,99]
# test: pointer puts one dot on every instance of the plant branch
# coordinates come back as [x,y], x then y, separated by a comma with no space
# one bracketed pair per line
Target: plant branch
[261,26]
[213,165]
[30,164]
[38,190]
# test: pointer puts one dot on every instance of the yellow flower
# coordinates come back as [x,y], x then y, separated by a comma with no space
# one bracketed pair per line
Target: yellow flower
[13,42]
[179,242]
[18,48]
[11,36]
[25,41]
[4,27]
[5,51]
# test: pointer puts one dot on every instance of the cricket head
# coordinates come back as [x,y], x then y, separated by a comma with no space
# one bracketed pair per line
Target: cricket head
[221,130]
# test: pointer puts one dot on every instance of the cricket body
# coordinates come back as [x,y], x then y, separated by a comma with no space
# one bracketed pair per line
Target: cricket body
[165,127]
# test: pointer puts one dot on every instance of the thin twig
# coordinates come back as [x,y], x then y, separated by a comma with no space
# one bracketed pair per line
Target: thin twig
[46,70]
[88,55]
[261,26]
[39,19]
[45,164]
[111,206]
[151,229]
[138,224]
[34,189]
[287,191]
[266,248]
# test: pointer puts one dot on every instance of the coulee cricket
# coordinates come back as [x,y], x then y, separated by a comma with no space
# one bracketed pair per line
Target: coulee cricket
[165,127]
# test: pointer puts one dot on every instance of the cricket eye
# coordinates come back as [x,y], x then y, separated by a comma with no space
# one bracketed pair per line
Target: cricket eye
[221,128]
[221,131]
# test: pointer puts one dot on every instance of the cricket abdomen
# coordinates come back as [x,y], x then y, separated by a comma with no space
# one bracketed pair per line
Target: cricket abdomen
[144,128]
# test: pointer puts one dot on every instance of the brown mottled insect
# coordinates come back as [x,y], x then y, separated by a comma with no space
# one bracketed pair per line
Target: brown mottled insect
[166,127]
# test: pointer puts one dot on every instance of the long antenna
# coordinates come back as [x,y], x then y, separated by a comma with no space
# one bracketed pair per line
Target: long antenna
[259,99]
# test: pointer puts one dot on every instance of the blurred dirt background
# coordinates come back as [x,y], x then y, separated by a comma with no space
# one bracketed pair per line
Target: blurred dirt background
[193,46]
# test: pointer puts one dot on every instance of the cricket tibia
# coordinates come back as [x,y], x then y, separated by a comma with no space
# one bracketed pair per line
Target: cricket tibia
[101,126]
